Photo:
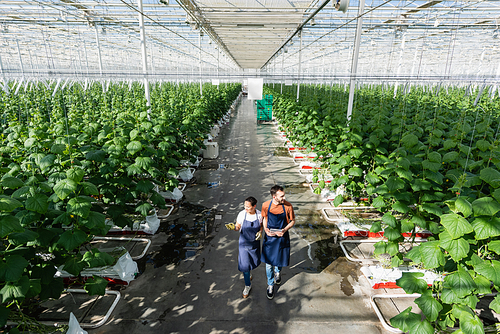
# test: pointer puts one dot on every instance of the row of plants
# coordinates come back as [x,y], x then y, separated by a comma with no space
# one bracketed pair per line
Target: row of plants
[427,159]
[73,159]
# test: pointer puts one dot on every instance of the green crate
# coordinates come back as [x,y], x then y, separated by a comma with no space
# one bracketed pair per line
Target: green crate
[264,115]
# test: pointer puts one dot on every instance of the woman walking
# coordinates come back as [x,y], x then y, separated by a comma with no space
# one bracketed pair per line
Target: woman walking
[249,223]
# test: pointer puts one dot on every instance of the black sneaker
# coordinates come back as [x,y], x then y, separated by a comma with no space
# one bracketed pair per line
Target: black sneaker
[277,278]
[270,292]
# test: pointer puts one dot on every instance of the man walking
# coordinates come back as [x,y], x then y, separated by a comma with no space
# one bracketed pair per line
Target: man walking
[278,219]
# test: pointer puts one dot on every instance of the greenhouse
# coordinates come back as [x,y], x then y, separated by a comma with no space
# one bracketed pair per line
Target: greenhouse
[338,161]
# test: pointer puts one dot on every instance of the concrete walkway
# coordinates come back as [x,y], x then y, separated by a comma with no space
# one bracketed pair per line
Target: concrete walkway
[203,293]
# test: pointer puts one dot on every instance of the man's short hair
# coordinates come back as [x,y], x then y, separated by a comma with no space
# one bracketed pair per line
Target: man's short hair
[251,200]
[275,189]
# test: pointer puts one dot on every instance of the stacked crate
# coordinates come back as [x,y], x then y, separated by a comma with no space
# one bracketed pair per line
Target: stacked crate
[265,109]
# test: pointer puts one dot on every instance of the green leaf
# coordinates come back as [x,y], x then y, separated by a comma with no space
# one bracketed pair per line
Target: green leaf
[96,286]
[491,176]
[490,270]
[434,157]
[38,203]
[12,182]
[52,289]
[433,166]
[96,219]
[486,227]
[355,171]
[494,246]
[463,206]
[483,284]
[421,327]
[448,296]
[34,289]
[74,265]
[97,155]
[432,256]
[133,169]
[144,208]
[429,305]
[470,324]
[450,156]
[21,238]
[58,148]
[376,227]
[460,282]
[372,178]
[13,268]
[9,224]
[419,185]
[15,290]
[65,187]
[71,239]
[495,304]
[47,161]
[173,171]
[30,142]
[9,204]
[405,320]
[432,208]
[79,206]
[378,202]
[483,145]
[404,163]
[134,147]
[409,140]
[458,249]
[485,206]
[75,174]
[21,192]
[456,225]
[96,258]
[389,219]
[355,152]
[411,283]
[133,134]
[400,207]
[89,188]
[143,162]
[393,183]
[392,234]
[145,186]
[4,315]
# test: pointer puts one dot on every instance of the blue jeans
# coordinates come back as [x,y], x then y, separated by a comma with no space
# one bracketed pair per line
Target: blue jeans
[270,273]
[246,277]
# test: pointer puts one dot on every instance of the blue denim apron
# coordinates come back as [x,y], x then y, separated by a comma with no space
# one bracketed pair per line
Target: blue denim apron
[249,248]
[276,250]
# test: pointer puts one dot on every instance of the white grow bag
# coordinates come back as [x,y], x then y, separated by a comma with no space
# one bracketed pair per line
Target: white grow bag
[148,226]
[186,174]
[124,269]
[380,277]
[74,326]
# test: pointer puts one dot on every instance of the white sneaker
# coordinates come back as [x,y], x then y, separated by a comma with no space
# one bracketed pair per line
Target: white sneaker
[246,291]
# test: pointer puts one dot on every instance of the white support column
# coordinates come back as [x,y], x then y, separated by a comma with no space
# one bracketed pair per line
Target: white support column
[400,63]
[20,58]
[199,53]
[98,48]
[144,57]
[354,66]
[282,69]
[5,83]
[300,65]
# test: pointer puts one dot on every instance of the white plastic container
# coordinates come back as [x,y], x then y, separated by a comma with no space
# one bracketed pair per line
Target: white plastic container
[215,131]
[212,150]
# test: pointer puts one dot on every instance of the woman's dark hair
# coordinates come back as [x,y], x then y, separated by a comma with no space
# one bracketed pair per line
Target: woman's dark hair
[275,189]
[251,200]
